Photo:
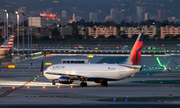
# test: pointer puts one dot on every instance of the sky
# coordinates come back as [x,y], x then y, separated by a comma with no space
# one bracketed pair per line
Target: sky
[102,7]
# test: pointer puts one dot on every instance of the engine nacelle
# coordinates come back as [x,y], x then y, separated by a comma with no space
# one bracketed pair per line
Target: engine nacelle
[65,80]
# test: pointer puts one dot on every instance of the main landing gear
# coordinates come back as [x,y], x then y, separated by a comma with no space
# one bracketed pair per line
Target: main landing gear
[83,84]
[104,83]
[53,82]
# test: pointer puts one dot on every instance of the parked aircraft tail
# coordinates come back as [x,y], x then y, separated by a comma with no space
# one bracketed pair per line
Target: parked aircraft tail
[8,44]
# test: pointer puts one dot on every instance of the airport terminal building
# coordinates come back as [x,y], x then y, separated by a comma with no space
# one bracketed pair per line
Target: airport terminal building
[106,31]
[47,20]
[151,31]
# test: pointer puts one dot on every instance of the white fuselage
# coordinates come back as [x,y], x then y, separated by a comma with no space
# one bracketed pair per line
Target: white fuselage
[104,71]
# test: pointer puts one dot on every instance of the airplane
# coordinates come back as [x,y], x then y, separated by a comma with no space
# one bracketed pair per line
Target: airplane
[99,73]
[8,44]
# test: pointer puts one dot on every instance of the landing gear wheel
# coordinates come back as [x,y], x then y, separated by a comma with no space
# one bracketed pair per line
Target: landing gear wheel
[104,83]
[53,82]
[83,84]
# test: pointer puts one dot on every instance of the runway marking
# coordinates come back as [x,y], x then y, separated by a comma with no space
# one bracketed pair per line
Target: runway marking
[5,87]
[13,88]
[6,93]
[40,96]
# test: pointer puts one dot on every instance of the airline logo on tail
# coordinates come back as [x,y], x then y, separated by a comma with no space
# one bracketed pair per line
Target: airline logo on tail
[136,51]
[135,55]
[8,44]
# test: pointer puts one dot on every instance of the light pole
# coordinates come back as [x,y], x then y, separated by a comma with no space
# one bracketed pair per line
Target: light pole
[7,13]
[17,32]
[31,34]
[6,44]
[12,33]
[12,22]
[4,27]
[28,37]
[23,32]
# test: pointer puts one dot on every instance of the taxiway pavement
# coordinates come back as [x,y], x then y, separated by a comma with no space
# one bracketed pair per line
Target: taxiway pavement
[26,86]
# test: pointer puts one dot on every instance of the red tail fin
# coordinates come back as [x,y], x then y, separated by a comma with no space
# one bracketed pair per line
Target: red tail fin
[8,44]
[135,55]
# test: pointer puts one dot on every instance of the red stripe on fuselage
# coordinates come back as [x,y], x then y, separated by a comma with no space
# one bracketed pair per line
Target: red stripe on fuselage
[5,47]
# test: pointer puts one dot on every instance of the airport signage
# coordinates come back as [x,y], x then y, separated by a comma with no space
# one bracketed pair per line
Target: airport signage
[48,64]
[9,66]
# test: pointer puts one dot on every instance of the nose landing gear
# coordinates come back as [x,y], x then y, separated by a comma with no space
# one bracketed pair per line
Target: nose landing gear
[53,82]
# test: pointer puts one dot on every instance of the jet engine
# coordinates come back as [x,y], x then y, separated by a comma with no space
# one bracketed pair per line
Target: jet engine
[65,80]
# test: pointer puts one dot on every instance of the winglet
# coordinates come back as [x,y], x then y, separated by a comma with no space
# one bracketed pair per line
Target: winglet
[165,68]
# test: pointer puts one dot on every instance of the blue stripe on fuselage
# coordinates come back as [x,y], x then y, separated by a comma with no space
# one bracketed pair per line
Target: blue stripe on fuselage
[104,79]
